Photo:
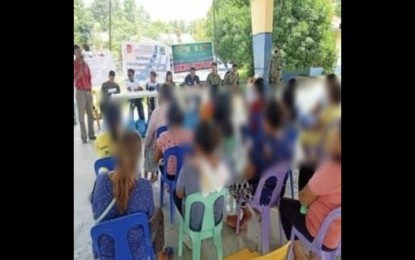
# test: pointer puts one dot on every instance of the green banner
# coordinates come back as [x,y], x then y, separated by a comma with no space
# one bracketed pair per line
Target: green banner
[198,55]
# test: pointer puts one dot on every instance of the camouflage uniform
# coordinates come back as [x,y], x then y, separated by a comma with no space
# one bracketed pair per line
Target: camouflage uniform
[275,70]
[232,80]
[213,79]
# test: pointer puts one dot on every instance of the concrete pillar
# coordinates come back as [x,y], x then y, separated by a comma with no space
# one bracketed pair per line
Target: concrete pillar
[262,12]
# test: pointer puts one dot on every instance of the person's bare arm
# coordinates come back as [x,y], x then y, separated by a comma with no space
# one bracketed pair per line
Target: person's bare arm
[249,171]
[180,194]
[306,196]
[157,154]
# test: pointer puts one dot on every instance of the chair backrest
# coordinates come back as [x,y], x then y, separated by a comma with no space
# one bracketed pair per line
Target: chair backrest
[208,202]
[118,229]
[161,130]
[278,171]
[141,127]
[175,152]
[321,234]
[106,162]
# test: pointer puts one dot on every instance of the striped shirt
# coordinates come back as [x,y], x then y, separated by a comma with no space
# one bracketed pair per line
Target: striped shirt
[84,80]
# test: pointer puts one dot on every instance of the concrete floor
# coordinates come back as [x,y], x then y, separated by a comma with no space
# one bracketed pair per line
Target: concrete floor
[84,176]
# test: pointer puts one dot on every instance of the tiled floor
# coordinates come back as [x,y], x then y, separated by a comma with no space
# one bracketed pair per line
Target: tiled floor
[84,157]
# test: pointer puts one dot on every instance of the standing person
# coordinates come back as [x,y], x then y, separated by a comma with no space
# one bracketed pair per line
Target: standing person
[213,79]
[131,194]
[83,85]
[169,79]
[132,85]
[192,80]
[232,78]
[275,69]
[152,85]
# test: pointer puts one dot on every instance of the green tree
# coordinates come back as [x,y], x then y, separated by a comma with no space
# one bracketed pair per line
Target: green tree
[233,31]
[338,8]
[197,29]
[302,32]
[83,23]
[100,10]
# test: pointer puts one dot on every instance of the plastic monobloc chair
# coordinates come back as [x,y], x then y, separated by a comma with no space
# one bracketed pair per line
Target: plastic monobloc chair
[105,162]
[178,153]
[279,171]
[118,229]
[209,229]
[316,246]
[161,130]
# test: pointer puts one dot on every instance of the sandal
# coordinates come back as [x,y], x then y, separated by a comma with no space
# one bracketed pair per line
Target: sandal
[169,252]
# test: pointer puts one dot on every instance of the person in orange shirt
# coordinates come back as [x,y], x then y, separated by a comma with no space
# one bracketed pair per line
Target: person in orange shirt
[319,197]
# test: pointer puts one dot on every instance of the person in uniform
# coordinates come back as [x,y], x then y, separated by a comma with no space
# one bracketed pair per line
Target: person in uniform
[275,71]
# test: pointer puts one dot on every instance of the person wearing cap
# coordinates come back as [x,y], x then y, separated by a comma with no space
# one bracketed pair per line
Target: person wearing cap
[192,80]
[232,78]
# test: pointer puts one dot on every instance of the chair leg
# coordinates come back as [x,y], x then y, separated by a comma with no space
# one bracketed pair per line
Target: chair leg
[161,191]
[172,209]
[217,239]
[181,231]
[280,224]
[196,247]
[266,225]
[292,184]
[238,213]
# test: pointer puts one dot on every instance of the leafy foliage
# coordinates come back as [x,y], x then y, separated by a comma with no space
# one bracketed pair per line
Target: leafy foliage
[302,31]
[233,31]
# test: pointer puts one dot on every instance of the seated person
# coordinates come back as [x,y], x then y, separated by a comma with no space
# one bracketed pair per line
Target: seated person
[132,85]
[192,80]
[110,87]
[174,136]
[290,112]
[132,195]
[104,145]
[255,110]
[313,138]
[205,172]
[321,195]
[269,149]
[158,119]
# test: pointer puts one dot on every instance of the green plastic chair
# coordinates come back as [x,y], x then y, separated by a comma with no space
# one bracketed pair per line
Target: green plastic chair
[208,229]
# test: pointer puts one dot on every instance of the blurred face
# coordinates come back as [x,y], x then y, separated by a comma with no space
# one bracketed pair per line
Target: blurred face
[130,75]
[193,73]
[112,78]
[78,53]
[235,69]
[152,77]
[214,68]
[267,127]
[169,78]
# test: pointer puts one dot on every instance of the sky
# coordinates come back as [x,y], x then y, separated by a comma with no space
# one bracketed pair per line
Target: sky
[170,10]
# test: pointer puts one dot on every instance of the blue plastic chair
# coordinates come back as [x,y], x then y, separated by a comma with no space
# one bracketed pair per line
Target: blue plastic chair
[105,162]
[316,246]
[161,130]
[118,229]
[177,152]
[141,127]
[279,171]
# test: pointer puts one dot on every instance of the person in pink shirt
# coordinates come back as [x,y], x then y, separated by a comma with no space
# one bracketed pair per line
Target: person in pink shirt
[320,196]
[174,136]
